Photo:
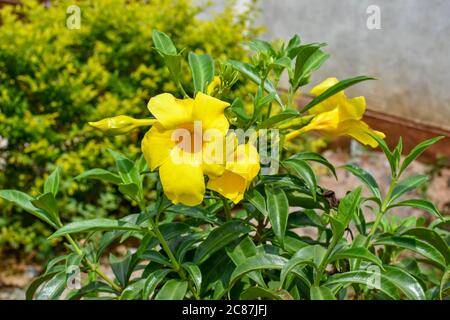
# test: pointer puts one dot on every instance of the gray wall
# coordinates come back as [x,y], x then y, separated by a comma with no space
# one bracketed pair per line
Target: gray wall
[410,54]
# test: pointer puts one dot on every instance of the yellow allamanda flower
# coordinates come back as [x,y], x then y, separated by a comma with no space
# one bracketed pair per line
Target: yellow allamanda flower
[183,160]
[338,116]
[240,168]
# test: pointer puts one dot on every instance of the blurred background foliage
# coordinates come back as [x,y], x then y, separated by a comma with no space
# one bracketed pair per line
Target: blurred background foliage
[54,80]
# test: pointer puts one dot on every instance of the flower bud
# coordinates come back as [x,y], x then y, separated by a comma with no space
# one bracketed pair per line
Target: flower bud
[120,124]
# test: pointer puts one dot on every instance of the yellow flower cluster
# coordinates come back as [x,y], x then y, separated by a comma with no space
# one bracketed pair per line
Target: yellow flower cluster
[338,116]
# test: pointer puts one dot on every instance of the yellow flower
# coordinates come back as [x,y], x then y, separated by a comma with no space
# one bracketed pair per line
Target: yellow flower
[213,85]
[175,143]
[242,166]
[338,116]
[120,124]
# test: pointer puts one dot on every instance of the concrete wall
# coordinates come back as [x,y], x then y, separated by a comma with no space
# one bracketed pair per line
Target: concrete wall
[410,54]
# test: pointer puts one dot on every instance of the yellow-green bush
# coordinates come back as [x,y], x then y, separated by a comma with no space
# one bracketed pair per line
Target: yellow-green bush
[54,80]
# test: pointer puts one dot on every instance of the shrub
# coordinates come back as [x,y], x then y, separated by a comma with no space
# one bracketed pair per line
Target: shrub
[54,80]
[225,223]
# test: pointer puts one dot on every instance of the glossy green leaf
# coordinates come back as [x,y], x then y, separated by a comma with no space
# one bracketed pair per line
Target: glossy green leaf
[152,281]
[52,289]
[38,281]
[366,178]
[294,262]
[258,293]
[345,212]
[356,253]
[417,151]
[304,171]
[202,68]
[278,211]
[52,182]
[405,282]
[257,200]
[419,246]
[163,43]
[422,204]
[100,174]
[321,293]
[282,116]
[94,225]
[251,72]
[338,87]
[133,291]
[23,201]
[194,273]
[172,290]
[315,157]
[407,185]
[258,262]
[47,202]
[432,238]
[220,237]
[120,268]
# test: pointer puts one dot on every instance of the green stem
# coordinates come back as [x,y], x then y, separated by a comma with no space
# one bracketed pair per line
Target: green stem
[323,263]
[175,264]
[91,265]
[227,209]
[181,89]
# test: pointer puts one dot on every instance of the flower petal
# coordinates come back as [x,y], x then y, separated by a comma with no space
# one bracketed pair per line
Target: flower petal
[210,111]
[245,163]
[182,182]
[170,111]
[230,185]
[156,145]
[359,130]
[330,103]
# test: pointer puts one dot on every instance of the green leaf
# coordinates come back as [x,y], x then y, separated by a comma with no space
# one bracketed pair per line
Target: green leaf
[278,211]
[251,72]
[52,182]
[309,58]
[345,212]
[92,287]
[52,289]
[304,171]
[195,274]
[220,237]
[239,110]
[384,147]
[129,189]
[294,262]
[432,238]
[423,204]
[47,202]
[23,201]
[257,200]
[405,282]
[172,290]
[94,225]
[282,116]
[36,283]
[387,282]
[321,293]
[407,185]
[100,174]
[258,293]
[417,151]
[258,262]
[163,43]
[341,85]
[120,268]
[202,68]
[133,291]
[128,172]
[419,246]
[152,281]
[312,156]
[356,253]
[366,178]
